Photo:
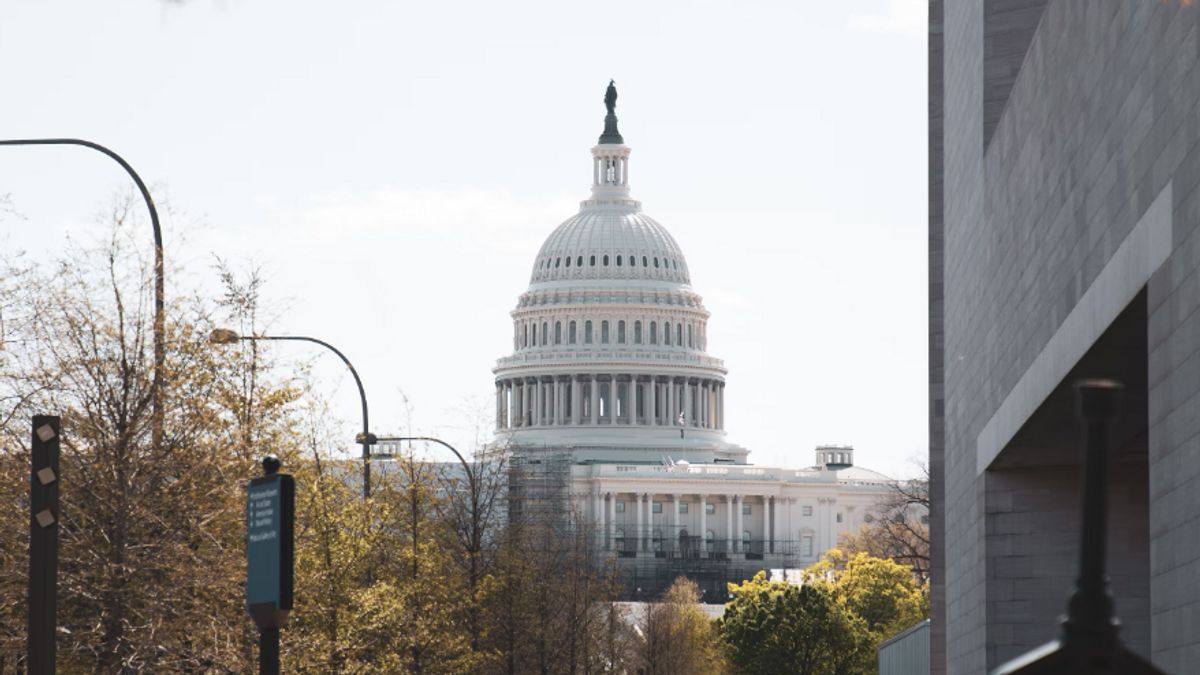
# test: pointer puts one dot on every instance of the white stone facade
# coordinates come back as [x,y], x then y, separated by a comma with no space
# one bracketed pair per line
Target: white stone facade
[610,370]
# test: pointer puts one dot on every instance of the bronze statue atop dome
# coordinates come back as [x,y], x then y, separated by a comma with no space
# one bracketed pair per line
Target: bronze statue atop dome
[610,98]
[611,136]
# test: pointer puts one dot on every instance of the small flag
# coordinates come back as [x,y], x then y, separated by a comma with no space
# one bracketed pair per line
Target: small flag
[680,420]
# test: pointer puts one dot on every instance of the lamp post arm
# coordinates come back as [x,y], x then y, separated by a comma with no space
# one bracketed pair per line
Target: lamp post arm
[462,460]
[362,394]
[159,283]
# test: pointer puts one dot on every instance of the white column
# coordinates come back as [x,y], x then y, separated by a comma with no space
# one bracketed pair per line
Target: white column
[703,526]
[768,536]
[612,518]
[633,399]
[575,402]
[688,418]
[651,420]
[595,396]
[675,528]
[595,171]
[600,519]
[728,524]
[612,399]
[638,533]
[537,402]
[741,526]
[721,406]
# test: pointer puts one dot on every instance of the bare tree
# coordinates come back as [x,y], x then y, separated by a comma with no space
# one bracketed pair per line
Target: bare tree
[899,527]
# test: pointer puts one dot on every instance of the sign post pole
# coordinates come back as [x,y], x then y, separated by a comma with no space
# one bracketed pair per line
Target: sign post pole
[270,517]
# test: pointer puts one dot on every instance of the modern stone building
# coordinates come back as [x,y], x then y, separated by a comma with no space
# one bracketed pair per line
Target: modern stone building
[1063,213]
[610,398]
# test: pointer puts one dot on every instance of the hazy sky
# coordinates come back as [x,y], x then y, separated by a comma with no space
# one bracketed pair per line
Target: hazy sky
[395,166]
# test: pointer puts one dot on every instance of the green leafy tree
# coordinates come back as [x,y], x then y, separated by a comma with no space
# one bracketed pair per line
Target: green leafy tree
[882,592]
[774,627]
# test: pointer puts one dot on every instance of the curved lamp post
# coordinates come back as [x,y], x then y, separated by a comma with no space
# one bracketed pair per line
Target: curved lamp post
[156,385]
[476,543]
[224,336]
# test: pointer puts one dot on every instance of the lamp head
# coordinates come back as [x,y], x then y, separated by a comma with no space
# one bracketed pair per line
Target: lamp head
[223,336]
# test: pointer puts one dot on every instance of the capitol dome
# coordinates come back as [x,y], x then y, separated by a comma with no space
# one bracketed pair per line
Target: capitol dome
[610,243]
[609,340]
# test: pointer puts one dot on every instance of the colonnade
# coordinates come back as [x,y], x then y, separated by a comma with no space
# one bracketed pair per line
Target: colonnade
[610,398]
[651,533]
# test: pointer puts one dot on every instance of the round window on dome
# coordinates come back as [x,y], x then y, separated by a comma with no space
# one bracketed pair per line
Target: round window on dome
[593,261]
[579,261]
[644,262]
[656,262]
[568,261]
[557,261]
[633,261]
[606,261]
[618,261]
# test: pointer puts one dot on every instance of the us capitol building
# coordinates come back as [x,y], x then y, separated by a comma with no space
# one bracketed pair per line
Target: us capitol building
[611,400]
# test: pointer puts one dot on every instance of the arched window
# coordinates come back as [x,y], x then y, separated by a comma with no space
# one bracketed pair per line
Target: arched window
[545,333]
[558,330]
[606,261]
[619,539]
[604,332]
[593,261]
[637,332]
[709,536]
[679,334]
[653,333]
[571,333]
[633,261]
[656,262]
[745,539]
[587,332]
[568,261]
[644,262]
[621,332]
[557,261]
[667,333]
[618,261]
[535,335]
[525,340]
[691,342]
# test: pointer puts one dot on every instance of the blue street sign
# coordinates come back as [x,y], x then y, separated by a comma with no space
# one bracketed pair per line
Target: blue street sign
[270,505]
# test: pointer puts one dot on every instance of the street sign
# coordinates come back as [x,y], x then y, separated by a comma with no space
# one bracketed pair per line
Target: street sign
[270,511]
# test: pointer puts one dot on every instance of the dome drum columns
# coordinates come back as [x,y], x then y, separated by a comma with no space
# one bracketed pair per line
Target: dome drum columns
[621,399]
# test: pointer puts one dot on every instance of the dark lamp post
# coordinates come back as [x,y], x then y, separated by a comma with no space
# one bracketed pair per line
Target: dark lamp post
[224,336]
[156,386]
[1089,641]
[475,545]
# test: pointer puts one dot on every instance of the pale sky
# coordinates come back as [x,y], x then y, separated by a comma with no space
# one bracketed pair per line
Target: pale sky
[395,166]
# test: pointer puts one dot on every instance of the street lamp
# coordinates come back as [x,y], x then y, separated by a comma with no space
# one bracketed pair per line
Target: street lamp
[156,385]
[476,537]
[224,336]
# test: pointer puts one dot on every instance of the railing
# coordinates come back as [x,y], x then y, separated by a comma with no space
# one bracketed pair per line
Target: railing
[641,356]
[707,472]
